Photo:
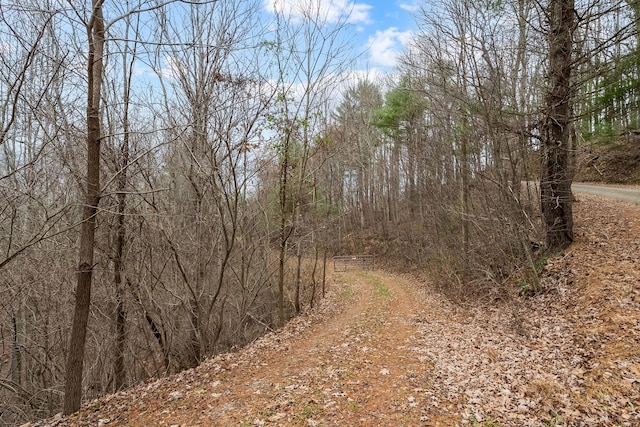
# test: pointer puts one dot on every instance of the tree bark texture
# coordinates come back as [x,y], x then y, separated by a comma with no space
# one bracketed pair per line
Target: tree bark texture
[75,358]
[555,185]
[119,371]
[284,233]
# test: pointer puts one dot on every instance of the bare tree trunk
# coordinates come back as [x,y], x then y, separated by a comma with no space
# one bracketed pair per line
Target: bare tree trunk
[313,274]
[284,233]
[298,275]
[464,173]
[555,185]
[16,352]
[75,358]
[324,271]
[118,268]
[119,370]
[394,179]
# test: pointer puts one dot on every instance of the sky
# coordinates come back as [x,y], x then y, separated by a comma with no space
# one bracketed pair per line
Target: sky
[383,27]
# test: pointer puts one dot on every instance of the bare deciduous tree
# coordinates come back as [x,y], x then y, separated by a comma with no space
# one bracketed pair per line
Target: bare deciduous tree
[310,59]
[75,359]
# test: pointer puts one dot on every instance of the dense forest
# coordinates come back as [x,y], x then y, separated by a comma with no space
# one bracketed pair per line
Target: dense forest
[175,175]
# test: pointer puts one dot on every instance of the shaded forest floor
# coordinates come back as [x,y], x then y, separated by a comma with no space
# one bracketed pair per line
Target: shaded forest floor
[386,350]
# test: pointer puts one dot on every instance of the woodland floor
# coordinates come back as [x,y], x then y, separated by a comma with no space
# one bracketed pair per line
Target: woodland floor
[385,350]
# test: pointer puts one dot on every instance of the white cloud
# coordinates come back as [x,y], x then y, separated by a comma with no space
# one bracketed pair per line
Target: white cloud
[329,10]
[410,7]
[385,46]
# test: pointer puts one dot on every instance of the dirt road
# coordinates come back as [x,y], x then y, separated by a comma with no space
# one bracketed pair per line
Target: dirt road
[357,368]
[630,194]
[393,354]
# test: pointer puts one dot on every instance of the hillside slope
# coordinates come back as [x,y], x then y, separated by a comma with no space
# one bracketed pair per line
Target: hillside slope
[614,161]
[385,350]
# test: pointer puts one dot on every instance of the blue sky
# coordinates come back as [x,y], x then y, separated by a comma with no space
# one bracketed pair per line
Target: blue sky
[383,27]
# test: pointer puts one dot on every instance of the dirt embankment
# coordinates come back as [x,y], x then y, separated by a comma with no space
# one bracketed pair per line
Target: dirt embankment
[614,161]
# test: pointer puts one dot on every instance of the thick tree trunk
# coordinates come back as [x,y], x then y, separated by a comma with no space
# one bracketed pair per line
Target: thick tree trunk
[75,358]
[555,185]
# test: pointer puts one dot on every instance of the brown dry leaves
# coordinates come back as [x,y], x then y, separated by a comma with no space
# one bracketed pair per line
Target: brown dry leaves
[385,350]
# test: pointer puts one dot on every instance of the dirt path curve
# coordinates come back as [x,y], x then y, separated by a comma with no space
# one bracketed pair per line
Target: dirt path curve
[353,369]
[356,368]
